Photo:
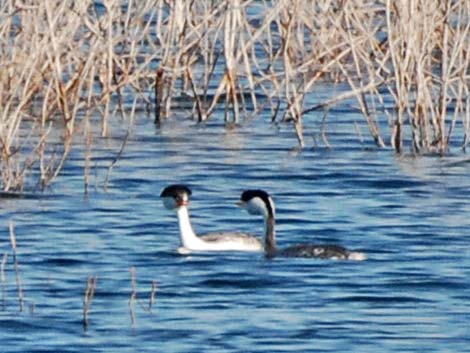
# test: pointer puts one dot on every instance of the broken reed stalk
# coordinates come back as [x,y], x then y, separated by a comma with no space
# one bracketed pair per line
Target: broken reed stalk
[153,293]
[88,299]
[107,72]
[133,298]
[118,156]
[88,152]
[3,278]
[16,266]
[158,95]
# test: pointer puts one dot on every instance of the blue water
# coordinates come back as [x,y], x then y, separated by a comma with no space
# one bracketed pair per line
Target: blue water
[410,215]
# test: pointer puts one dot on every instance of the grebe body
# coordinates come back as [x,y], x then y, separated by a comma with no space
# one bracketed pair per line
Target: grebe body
[177,198]
[259,202]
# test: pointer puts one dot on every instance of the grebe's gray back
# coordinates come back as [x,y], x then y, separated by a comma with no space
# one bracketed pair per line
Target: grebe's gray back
[177,197]
[259,202]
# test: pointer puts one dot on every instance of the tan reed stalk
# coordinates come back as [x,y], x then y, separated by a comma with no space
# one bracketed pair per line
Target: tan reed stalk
[201,113]
[466,122]
[323,129]
[3,279]
[248,51]
[88,157]
[88,299]
[294,91]
[153,293]
[133,296]
[17,267]
[230,30]
[123,144]
[174,49]
[159,88]
[107,73]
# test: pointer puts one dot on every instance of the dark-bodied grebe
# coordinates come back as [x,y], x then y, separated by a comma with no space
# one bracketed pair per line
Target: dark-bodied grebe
[259,202]
[176,197]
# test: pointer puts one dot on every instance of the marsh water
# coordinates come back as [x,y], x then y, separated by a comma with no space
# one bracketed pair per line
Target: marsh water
[409,214]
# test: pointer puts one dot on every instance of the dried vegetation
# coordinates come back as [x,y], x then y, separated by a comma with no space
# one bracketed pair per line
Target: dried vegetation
[68,67]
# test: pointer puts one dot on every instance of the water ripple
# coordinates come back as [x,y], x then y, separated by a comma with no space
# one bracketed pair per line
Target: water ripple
[407,214]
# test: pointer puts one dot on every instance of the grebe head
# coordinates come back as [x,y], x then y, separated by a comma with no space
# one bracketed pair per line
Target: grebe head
[257,202]
[175,196]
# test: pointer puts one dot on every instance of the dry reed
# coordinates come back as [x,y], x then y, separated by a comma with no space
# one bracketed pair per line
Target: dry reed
[17,267]
[153,293]
[88,299]
[133,298]
[66,64]
[3,278]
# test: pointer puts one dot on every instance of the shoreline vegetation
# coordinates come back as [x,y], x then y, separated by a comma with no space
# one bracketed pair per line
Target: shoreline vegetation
[69,67]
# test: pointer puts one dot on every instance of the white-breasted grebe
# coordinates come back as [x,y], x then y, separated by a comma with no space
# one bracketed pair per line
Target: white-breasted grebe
[176,197]
[258,202]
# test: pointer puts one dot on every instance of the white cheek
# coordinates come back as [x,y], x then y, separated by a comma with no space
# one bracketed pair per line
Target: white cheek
[185,198]
[256,206]
[169,203]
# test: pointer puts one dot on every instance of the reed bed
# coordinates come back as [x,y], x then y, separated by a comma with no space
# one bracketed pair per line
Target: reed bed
[69,68]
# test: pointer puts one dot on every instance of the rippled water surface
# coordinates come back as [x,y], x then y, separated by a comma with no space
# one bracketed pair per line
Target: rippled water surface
[410,215]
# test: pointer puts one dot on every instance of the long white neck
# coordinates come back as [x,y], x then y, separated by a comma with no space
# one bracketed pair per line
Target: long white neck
[188,237]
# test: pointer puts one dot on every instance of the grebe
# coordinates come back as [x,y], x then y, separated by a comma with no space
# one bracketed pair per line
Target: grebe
[176,197]
[259,202]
